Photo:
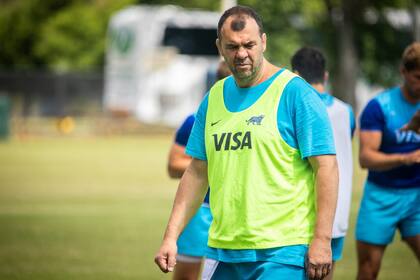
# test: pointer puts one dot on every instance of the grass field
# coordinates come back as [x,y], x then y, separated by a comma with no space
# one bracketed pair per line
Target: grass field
[96,208]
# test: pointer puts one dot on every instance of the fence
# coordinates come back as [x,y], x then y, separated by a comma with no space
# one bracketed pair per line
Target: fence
[53,94]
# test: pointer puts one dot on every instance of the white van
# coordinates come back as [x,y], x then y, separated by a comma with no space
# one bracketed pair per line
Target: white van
[158,60]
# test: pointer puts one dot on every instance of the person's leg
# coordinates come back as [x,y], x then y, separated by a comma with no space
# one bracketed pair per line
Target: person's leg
[379,214]
[187,270]
[192,244]
[369,260]
[410,225]
[414,243]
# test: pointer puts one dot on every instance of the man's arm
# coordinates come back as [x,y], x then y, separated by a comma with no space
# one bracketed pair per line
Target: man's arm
[370,157]
[191,191]
[178,161]
[319,258]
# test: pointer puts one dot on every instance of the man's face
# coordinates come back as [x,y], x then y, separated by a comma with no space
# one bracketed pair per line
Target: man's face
[242,49]
[412,82]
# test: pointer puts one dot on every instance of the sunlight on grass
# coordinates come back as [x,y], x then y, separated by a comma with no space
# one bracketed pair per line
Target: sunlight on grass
[96,209]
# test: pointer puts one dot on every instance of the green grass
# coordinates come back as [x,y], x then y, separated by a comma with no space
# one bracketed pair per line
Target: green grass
[96,209]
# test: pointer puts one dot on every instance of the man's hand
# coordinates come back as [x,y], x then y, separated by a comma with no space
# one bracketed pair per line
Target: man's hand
[318,261]
[166,257]
[412,157]
[414,123]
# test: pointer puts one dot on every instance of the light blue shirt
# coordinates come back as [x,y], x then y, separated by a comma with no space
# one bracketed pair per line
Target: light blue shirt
[303,124]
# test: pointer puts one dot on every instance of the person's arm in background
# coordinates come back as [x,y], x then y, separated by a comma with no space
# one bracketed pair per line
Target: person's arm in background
[371,158]
[190,195]
[326,184]
[372,123]
[178,161]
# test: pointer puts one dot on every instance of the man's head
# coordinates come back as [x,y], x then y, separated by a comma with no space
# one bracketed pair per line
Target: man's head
[310,64]
[240,12]
[410,70]
[241,42]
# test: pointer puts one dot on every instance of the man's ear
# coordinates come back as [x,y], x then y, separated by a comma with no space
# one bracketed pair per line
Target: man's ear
[219,47]
[264,41]
[326,76]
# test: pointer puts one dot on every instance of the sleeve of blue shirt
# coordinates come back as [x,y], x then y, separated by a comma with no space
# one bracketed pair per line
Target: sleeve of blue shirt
[196,146]
[372,117]
[303,120]
[183,133]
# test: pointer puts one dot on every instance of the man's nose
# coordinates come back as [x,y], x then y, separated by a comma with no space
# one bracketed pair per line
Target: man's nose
[242,53]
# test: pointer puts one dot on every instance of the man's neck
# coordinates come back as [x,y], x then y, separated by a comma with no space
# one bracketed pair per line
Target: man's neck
[407,96]
[267,70]
[319,87]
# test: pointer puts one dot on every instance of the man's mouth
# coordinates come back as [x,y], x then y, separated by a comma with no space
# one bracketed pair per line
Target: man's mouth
[242,65]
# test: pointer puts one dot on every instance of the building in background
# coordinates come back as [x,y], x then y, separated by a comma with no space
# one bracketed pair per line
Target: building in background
[158,61]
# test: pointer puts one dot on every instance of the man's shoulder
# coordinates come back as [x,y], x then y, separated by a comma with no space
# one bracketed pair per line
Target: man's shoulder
[339,101]
[346,106]
[298,86]
[388,96]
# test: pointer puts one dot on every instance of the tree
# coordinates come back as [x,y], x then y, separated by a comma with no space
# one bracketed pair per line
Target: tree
[20,23]
[356,35]
[364,43]
[55,34]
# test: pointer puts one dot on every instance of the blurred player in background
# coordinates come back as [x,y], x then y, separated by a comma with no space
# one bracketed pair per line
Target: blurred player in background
[192,243]
[310,64]
[390,150]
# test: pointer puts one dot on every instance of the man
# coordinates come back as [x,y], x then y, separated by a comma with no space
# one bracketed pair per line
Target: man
[192,243]
[391,153]
[310,64]
[263,141]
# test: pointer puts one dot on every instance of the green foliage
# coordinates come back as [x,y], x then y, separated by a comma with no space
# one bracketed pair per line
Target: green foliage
[61,34]
[210,5]
[74,38]
[380,48]
[20,23]
[65,44]
[67,35]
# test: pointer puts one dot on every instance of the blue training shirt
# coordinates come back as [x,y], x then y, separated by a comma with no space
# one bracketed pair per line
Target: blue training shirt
[303,123]
[183,134]
[184,131]
[388,113]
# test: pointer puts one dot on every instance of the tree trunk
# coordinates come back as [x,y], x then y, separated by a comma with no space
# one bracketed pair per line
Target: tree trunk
[416,23]
[343,19]
[344,87]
